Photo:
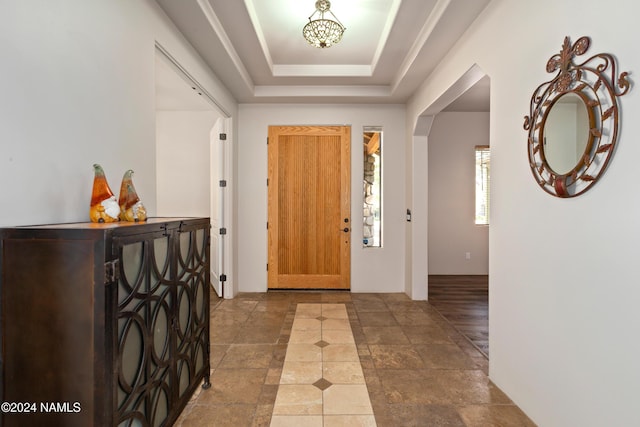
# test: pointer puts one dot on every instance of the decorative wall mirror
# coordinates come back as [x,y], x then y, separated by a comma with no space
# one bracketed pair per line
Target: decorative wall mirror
[573,121]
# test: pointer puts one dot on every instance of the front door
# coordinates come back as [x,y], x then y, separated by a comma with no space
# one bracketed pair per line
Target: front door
[309,201]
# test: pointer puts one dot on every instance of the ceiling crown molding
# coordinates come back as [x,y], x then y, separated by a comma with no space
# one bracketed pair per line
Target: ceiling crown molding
[386,30]
[216,25]
[428,27]
[253,15]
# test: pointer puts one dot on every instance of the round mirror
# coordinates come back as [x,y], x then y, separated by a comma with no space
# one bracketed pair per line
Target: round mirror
[566,133]
[573,120]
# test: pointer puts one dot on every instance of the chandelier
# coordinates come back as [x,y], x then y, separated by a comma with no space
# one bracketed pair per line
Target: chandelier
[321,32]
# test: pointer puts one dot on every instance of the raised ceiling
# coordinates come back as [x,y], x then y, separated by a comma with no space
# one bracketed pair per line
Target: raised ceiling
[389,47]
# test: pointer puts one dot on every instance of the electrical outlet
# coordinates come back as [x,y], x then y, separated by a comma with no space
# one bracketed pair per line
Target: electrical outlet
[467,255]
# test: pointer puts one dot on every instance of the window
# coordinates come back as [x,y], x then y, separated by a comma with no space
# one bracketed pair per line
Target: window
[372,187]
[483,173]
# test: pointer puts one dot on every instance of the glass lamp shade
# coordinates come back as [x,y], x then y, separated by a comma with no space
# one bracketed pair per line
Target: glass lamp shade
[323,33]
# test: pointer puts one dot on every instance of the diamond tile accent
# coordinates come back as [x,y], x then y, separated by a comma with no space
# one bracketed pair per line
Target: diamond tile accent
[323,384]
[322,344]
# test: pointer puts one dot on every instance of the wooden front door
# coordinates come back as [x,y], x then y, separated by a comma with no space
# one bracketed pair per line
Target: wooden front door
[309,201]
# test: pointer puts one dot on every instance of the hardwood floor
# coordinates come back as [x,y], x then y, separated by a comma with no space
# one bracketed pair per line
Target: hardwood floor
[464,302]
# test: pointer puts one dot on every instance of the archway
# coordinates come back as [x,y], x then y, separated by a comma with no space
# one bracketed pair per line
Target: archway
[445,241]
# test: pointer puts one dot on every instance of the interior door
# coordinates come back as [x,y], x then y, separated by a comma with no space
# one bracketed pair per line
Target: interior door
[218,190]
[309,228]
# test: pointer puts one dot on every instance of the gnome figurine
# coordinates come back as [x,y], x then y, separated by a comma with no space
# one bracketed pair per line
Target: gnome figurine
[131,208]
[104,206]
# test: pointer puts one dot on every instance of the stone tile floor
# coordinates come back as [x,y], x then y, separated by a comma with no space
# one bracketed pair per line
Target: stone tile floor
[417,369]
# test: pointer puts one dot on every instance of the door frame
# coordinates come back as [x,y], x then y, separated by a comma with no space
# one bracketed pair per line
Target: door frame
[226,125]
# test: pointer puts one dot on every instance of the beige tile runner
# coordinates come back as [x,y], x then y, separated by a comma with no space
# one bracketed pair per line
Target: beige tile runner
[322,384]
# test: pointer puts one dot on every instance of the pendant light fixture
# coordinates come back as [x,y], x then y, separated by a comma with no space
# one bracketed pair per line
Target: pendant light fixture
[322,32]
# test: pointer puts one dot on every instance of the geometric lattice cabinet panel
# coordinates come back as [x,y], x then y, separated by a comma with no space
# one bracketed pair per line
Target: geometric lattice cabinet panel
[103,324]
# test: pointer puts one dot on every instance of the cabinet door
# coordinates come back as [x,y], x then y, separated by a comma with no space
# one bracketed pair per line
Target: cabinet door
[192,293]
[145,300]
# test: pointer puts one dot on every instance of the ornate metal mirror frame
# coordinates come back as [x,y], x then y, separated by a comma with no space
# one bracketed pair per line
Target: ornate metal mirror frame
[595,83]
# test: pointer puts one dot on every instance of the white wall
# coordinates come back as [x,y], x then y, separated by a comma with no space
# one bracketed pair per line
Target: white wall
[416,231]
[183,162]
[564,292]
[77,85]
[452,231]
[372,269]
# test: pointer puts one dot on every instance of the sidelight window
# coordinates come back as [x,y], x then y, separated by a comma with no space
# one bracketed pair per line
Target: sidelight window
[483,168]
[372,187]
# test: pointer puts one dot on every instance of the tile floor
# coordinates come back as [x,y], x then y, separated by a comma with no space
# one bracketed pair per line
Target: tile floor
[322,382]
[375,359]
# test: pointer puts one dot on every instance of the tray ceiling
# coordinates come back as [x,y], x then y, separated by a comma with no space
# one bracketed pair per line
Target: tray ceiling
[257,50]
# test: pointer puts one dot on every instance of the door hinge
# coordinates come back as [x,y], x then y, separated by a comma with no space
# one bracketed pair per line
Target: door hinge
[267,140]
[223,183]
[223,137]
[267,267]
[112,271]
[223,277]
[267,182]
[223,231]
[267,225]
